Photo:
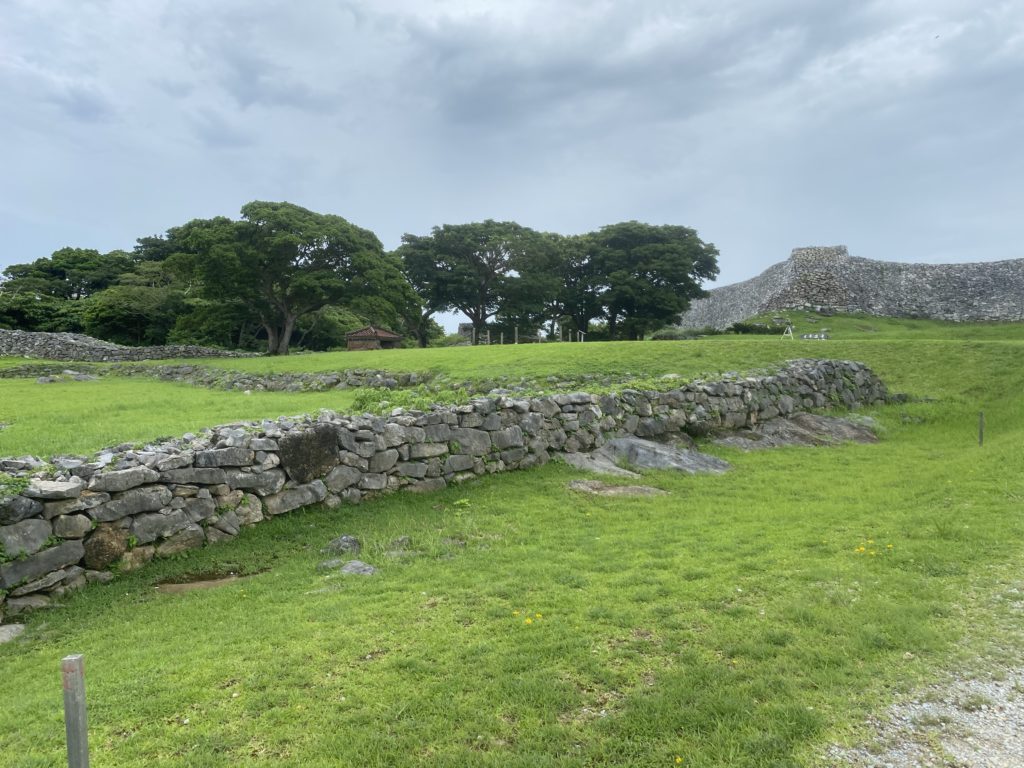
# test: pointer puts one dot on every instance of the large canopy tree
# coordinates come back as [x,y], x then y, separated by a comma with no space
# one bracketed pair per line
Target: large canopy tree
[284,262]
[480,269]
[579,297]
[651,272]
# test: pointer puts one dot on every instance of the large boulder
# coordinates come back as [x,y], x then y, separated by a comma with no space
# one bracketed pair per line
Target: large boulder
[105,546]
[309,454]
[617,454]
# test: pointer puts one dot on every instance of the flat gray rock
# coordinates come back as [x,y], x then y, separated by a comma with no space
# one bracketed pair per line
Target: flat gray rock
[591,462]
[807,429]
[647,454]
[358,568]
[613,457]
[598,488]
[342,544]
[10,631]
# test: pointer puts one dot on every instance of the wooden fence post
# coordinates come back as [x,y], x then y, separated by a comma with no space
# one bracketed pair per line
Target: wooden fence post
[72,669]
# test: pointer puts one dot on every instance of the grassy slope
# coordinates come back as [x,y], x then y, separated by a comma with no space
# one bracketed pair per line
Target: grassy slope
[732,623]
[79,417]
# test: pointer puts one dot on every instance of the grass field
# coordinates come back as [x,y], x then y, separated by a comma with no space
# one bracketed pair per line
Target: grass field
[748,619]
[81,417]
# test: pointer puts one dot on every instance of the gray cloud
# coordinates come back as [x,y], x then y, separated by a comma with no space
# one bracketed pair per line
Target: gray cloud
[891,126]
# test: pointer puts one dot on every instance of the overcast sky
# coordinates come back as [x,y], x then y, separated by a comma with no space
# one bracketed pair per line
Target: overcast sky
[895,127]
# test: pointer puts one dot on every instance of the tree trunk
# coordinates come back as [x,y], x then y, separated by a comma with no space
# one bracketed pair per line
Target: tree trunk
[272,337]
[286,334]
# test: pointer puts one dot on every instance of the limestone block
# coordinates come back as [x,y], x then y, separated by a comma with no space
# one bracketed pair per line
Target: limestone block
[341,477]
[190,537]
[225,457]
[71,526]
[26,537]
[293,498]
[132,502]
[41,563]
[55,489]
[472,441]
[155,525]
[14,509]
[122,480]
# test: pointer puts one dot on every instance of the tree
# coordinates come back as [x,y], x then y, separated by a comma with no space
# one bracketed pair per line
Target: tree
[285,262]
[70,273]
[579,298]
[480,269]
[132,314]
[651,273]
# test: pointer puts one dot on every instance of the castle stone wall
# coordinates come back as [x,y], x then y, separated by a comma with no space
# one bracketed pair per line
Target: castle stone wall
[829,278]
[79,348]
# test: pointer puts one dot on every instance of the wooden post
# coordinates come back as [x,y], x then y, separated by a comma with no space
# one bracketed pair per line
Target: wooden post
[488,337]
[981,428]
[517,334]
[502,339]
[72,669]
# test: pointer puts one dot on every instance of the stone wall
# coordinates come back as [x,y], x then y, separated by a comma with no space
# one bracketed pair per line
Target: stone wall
[82,519]
[79,348]
[829,278]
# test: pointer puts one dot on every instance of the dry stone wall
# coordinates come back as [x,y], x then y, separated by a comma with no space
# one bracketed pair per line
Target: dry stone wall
[82,519]
[79,348]
[831,279]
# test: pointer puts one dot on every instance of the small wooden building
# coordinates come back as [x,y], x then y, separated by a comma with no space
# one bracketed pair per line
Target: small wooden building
[372,338]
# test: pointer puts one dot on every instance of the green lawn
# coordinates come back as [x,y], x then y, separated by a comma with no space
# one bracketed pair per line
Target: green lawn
[747,619]
[79,417]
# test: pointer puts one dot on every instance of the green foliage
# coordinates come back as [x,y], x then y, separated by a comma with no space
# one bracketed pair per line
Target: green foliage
[651,272]
[481,269]
[675,333]
[761,329]
[420,398]
[132,314]
[11,485]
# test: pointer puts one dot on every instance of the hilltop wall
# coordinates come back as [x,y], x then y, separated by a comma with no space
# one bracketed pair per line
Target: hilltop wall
[85,519]
[79,348]
[829,278]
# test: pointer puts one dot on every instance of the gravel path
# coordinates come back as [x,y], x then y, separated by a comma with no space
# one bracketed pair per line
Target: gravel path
[966,723]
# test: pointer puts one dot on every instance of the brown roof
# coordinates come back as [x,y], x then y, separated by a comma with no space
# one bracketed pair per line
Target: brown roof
[369,332]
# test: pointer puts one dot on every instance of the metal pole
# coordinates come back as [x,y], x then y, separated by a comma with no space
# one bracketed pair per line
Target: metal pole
[517,334]
[488,337]
[981,428]
[72,669]
[503,338]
